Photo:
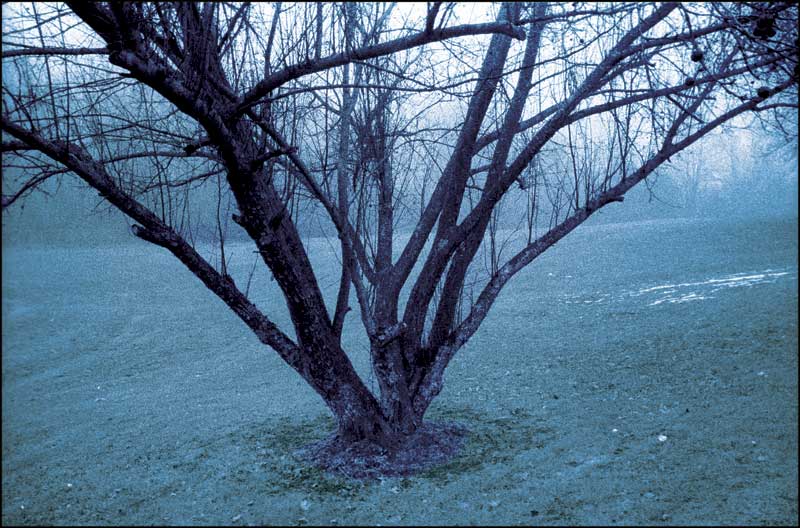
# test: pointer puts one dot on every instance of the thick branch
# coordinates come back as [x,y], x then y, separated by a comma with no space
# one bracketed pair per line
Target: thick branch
[154,230]
[53,51]
[454,280]
[431,384]
[343,226]
[448,195]
[444,246]
[368,52]
[348,102]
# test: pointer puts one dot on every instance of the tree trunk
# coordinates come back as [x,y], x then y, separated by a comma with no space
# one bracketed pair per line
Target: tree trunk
[361,419]
[396,398]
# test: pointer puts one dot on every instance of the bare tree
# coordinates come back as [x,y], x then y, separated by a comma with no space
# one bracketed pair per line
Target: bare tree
[381,116]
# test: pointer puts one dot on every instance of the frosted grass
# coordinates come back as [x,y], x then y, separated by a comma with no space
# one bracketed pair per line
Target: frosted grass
[132,395]
[676,293]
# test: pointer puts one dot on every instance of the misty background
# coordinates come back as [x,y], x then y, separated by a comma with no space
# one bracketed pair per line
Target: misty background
[735,174]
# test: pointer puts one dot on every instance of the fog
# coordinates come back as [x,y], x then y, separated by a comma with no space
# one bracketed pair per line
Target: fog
[730,175]
[744,171]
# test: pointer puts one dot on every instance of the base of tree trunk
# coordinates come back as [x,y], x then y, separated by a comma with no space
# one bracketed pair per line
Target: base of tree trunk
[432,444]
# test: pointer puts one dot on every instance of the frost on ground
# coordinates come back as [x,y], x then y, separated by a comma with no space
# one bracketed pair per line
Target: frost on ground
[131,395]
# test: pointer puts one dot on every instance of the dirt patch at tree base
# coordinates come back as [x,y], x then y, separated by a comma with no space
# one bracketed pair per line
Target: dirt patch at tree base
[433,444]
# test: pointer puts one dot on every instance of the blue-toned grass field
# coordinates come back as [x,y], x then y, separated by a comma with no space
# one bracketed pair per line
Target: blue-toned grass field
[634,374]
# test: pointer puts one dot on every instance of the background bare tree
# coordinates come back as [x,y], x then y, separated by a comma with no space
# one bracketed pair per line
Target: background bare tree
[376,117]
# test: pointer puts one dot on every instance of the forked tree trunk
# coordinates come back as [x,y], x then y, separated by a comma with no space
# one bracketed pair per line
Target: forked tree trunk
[360,417]
[396,397]
[360,424]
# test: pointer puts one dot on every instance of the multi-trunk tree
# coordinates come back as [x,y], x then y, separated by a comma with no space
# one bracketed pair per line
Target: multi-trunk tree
[435,117]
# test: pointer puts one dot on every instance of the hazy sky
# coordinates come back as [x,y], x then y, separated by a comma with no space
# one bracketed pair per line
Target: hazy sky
[720,167]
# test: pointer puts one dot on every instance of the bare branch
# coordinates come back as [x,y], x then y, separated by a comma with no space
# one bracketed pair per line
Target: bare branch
[43,52]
